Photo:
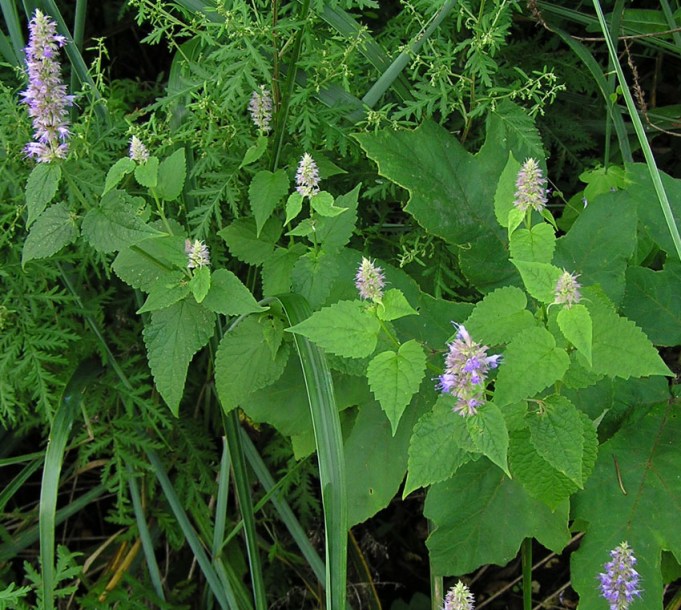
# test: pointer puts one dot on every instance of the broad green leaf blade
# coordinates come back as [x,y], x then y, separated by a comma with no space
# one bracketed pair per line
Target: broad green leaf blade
[172,338]
[255,151]
[641,460]
[200,283]
[313,275]
[117,172]
[246,361]
[335,232]
[480,516]
[116,223]
[540,279]
[489,434]
[229,296]
[620,348]
[323,204]
[41,187]
[54,229]
[556,435]
[394,377]
[535,245]
[146,174]
[54,456]
[500,316]
[166,291]
[244,243]
[505,193]
[294,205]
[267,189]
[531,363]
[610,219]
[150,261]
[330,454]
[434,453]
[277,269]
[394,306]
[575,324]
[171,175]
[345,328]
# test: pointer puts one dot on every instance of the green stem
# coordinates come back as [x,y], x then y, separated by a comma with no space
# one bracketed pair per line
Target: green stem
[526,554]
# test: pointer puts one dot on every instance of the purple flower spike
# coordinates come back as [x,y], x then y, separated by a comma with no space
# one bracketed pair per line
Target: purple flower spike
[567,289]
[307,176]
[197,254]
[260,108]
[459,597]
[46,96]
[369,280]
[530,187]
[465,376]
[619,582]
[138,151]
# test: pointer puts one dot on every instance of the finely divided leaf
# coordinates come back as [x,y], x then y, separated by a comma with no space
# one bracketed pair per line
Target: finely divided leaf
[531,363]
[172,338]
[247,361]
[344,328]
[500,316]
[394,378]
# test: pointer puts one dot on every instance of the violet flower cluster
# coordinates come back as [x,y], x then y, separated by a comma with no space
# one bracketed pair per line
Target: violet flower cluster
[530,187]
[138,151]
[466,368]
[197,254]
[46,96]
[567,290]
[459,597]
[369,280]
[307,176]
[260,108]
[619,582]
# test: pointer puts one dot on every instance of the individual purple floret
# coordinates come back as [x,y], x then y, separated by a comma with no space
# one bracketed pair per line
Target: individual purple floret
[46,96]
[530,187]
[307,176]
[197,254]
[369,280]
[138,151]
[260,108]
[466,367]
[459,597]
[619,582]
[567,289]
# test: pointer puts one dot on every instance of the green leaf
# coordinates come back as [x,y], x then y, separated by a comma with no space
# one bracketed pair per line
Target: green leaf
[304,228]
[245,361]
[228,295]
[254,152]
[485,264]
[538,477]
[394,378]
[531,363]
[535,245]
[166,291]
[540,279]
[434,454]
[556,434]
[277,269]
[505,193]
[151,260]
[500,316]
[480,516]
[323,204]
[172,338]
[575,324]
[620,348]
[335,232]
[294,205]
[171,174]
[344,328]
[628,497]
[394,305]
[244,243]
[54,229]
[313,275]
[200,284]
[611,219]
[267,189]
[117,172]
[41,187]
[489,434]
[116,223]
[653,301]
[515,218]
[146,173]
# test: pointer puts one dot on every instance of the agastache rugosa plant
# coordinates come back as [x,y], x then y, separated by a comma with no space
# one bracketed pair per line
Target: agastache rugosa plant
[619,582]
[46,95]
[459,597]
[369,280]
[307,176]
[260,108]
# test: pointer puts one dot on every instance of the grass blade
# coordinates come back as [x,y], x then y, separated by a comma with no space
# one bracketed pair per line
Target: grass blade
[330,455]
[17,482]
[54,457]
[16,34]
[641,135]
